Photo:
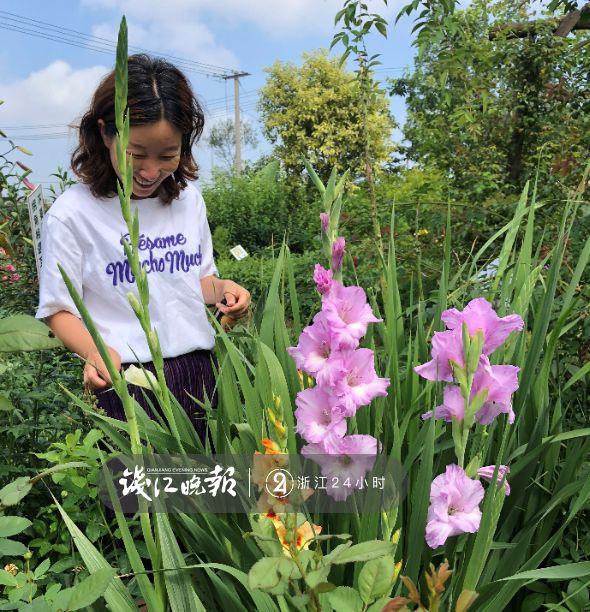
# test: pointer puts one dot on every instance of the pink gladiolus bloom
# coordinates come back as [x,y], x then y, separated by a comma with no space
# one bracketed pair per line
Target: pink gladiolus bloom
[325,221]
[9,268]
[501,381]
[454,506]
[318,416]
[347,314]
[446,346]
[453,406]
[360,385]
[337,253]
[313,352]
[322,278]
[15,277]
[5,278]
[344,461]
[487,473]
[479,314]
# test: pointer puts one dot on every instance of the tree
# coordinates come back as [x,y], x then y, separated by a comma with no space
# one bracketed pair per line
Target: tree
[314,111]
[222,139]
[515,102]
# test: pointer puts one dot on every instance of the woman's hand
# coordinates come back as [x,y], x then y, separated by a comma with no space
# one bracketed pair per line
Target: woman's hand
[96,375]
[237,298]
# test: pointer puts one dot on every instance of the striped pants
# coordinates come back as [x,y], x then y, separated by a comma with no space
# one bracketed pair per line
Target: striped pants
[191,373]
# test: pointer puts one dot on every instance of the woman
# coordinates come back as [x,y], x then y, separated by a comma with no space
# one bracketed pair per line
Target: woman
[84,228]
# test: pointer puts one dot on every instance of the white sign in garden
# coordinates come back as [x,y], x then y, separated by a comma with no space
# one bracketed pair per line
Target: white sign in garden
[36,207]
[239,252]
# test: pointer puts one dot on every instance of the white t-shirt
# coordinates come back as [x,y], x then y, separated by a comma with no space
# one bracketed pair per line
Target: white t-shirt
[83,234]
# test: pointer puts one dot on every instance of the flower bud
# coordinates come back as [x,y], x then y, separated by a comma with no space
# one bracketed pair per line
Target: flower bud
[337,253]
[137,309]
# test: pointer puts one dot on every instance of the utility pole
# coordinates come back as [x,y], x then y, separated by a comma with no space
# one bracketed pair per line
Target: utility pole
[237,127]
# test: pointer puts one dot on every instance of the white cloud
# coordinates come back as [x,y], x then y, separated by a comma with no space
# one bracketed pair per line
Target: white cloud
[55,94]
[52,97]
[175,27]
[291,19]
[186,38]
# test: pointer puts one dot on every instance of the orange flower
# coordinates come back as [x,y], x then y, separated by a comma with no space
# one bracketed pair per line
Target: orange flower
[303,536]
[270,447]
[262,465]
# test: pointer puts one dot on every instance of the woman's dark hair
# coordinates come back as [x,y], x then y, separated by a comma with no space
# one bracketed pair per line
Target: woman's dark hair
[157,90]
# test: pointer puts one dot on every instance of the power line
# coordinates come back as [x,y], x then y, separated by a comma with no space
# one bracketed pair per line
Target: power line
[42,29]
[209,109]
[221,112]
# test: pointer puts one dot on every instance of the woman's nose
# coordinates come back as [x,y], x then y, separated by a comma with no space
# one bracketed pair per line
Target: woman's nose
[149,170]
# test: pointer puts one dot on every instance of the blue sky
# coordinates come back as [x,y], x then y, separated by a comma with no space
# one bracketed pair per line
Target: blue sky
[46,84]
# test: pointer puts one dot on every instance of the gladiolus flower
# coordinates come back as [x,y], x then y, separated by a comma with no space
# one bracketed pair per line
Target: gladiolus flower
[344,460]
[325,222]
[447,346]
[322,278]
[318,416]
[303,536]
[454,506]
[9,268]
[453,406]
[348,314]
[263,464]
[337,253]
[361,384]
[314,350]
[487,473]
[500,381]
[270,447]
[479,314]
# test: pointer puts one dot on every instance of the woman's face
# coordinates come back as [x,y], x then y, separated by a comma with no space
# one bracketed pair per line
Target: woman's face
[155,148]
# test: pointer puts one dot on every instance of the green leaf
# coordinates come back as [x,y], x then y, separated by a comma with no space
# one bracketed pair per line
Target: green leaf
[91,588]
[272,574]
[365,551]
[317,576]
[7,579]
[116,595]
[37,605]
[376,578]
[25,333]
[179,584]
[5,404]
[11,525]
[555,572]
[12,547]
[42,568]
[14,491]
[345,599]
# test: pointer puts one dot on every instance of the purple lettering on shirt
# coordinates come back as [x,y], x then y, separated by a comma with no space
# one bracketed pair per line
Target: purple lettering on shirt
[172,260]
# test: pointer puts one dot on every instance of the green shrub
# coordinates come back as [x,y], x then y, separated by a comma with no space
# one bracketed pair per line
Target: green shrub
[260,208]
